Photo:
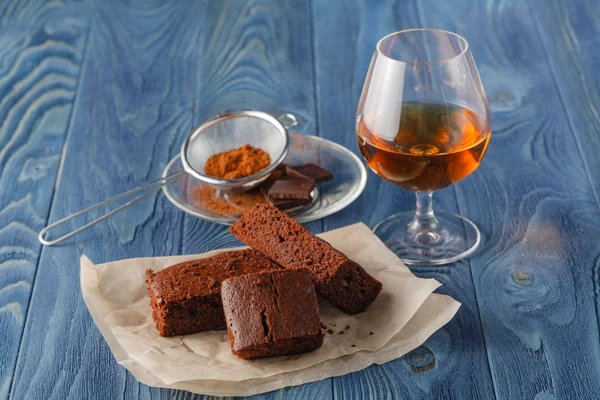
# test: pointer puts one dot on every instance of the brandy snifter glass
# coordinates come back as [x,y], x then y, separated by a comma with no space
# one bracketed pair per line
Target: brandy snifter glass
[423,124]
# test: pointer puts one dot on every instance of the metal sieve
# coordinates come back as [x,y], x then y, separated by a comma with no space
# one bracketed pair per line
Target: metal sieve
[220,133]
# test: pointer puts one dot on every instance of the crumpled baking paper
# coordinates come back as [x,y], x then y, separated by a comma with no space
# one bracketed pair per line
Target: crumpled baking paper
[404,315]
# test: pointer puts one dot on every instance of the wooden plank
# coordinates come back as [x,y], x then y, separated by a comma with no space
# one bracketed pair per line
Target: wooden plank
[134,107]
[41,48]
[257,55]
[570,34]
[533,200]
[343,51]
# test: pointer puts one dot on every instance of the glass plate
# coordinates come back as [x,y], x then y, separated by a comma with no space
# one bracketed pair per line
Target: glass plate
[349,180]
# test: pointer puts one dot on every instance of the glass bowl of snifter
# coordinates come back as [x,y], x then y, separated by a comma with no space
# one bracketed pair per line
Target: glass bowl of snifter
[423,123]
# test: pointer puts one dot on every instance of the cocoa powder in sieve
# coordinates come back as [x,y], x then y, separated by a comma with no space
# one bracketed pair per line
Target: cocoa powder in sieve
[237,163]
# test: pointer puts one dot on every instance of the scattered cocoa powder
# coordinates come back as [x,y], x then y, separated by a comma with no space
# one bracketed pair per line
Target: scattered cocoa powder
[233,205]
[231,164]
[237,163]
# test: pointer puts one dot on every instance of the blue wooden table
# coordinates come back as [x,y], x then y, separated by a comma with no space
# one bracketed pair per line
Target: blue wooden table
[96,97]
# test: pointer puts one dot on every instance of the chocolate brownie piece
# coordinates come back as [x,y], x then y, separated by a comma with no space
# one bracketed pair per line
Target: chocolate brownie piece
[341,281]
[186,298]
[272,313]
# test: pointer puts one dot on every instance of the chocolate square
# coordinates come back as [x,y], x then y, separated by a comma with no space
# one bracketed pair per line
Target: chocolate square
[281,168]
[288,188]
[287,204]
[310,171]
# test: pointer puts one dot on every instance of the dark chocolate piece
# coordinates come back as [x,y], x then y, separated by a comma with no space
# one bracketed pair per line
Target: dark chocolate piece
[276,175]
[291,189]
[341,281]
[186,298]
[288,204]
[266,186]
[310,171]
[272,314]
[281,168]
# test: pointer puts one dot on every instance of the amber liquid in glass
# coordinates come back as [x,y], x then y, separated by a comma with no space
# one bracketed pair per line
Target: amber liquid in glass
[436,146]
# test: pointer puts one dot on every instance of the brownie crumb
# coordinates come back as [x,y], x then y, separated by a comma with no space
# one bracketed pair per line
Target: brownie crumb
[371,333]
[231,265]
[347,327]
[330,331]
[353,345]
[212,283]
[341,332]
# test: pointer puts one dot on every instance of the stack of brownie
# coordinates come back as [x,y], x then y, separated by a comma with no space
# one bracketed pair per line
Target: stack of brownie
[290,187]
[264,296]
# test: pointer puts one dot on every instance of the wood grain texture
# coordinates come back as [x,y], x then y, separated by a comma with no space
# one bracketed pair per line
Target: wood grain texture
[570,35]
[533,200]
[529,323]
[41,48]
[133,108]
[257,55]
[343,52]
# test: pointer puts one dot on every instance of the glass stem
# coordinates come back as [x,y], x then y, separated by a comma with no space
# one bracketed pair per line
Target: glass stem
[424,220]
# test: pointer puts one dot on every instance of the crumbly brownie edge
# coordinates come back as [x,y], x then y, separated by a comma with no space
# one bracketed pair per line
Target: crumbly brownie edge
[350,289]
[156,313]
[206,318]
[175,319]
[286,347]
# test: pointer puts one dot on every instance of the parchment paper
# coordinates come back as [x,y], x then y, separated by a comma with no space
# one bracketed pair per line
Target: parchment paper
[116,296]
[433,314]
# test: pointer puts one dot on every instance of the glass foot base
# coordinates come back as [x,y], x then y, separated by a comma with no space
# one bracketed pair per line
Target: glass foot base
[453,238]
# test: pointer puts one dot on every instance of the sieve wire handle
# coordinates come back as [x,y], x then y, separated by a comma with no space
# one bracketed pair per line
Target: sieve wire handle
[159,183]
[288,120]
